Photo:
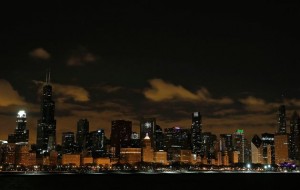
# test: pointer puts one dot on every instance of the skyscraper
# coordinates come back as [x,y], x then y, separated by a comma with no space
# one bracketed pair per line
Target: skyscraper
[295,137]
[226,142]
[148,125]
[159,138]
[21,133]
[196,133]
[46,125]
[239,144]
[256,150]
[82,132]
[68,142]
[281,138]
[96,143]
[281,120]
[268,149]
[120,136]
[147,150]
[209,142]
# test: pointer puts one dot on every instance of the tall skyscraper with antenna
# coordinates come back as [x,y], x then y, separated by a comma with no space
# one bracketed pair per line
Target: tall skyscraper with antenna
[281,120]
[196,133]
[46,125]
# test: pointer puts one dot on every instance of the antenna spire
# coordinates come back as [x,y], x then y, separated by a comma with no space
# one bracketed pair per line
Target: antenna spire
[49,76]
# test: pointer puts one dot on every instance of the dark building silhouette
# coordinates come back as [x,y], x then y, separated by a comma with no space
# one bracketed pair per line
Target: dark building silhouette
[281,120]
[147,126]
[256,141]
[120,136]
[159,138]
[295,137]
[176,139]
[46,125]
[68,142]
[196,133]
[82,133]
[209,141]
[238,143]
[96,142]
[281,138]
[135,140]
[226,142]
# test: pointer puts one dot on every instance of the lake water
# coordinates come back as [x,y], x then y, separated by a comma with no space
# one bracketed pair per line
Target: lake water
[187,181]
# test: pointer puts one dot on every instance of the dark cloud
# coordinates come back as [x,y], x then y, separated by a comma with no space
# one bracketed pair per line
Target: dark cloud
[81,56]
[9,96]
[163,91]
[65,92]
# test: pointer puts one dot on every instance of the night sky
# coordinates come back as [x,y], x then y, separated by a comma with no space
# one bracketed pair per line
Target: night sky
[233,63]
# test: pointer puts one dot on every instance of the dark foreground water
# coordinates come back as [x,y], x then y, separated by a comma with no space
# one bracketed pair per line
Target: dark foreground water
[196,181]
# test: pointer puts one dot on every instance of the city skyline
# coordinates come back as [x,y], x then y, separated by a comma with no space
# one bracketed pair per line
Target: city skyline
[234,66]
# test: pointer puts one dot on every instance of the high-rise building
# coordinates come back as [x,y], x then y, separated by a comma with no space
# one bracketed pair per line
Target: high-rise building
[226,142]
[135,140]
[68,142]
[147,126]
[82,132]
[147,150]
[256,150]
[209,141]
[281,138]
[177,137]
[295,137]
[120,136]
[196,133]
[281,120]
[159,138]
[281,142]
[96,143]
[46,125]
[21,133]
[268,149]
[238,144]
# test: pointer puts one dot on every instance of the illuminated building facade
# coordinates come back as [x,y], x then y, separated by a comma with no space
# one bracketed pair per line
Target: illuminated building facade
[21,133]
[196,133]
[130,155]
[147,126]
[209,142]
[176,138]
[46,125]
[295,137]
[68,159]
[281,142]
[238,144]
[147,150]
[160,157]
[268,149]
[256,150]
